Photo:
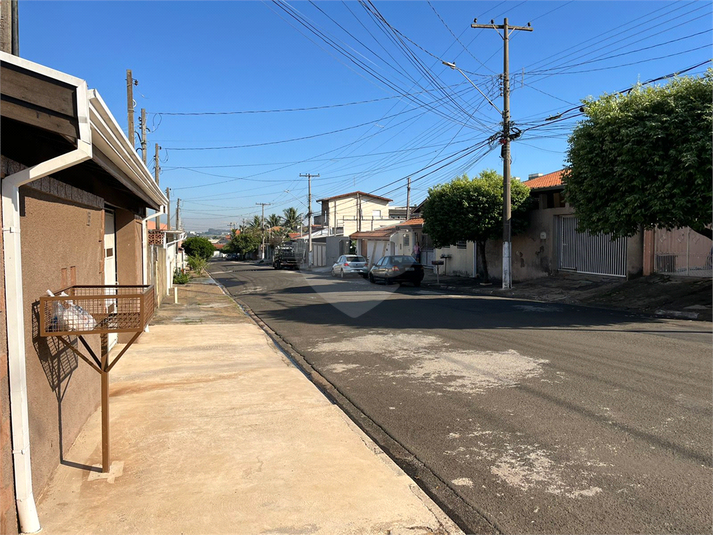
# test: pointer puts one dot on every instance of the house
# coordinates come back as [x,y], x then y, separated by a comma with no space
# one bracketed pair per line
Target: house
[551,242]
[354,212]
[375,244]
[75,197]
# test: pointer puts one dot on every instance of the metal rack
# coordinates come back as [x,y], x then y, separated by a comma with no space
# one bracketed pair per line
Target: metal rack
[102,310]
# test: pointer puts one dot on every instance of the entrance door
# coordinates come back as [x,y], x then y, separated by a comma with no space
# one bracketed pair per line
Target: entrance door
[110,264]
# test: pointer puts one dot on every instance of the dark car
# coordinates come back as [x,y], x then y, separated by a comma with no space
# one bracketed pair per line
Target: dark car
[285,258]
[400,268]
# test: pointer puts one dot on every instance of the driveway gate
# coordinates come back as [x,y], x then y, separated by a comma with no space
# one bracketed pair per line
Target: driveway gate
[586,253]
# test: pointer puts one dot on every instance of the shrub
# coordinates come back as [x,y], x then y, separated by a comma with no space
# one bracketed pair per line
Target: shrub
[197,263]
[180,277]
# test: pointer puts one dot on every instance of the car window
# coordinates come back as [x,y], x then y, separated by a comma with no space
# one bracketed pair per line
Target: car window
[354,258]
[341,259]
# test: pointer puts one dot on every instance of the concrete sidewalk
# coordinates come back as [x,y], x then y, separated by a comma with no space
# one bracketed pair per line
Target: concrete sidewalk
[215,431]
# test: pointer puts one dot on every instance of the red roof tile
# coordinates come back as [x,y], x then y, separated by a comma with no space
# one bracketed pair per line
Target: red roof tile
[383,233]
[549,180]
[413,222]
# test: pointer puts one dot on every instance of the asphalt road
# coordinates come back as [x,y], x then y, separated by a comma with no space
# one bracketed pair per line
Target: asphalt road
[517,416]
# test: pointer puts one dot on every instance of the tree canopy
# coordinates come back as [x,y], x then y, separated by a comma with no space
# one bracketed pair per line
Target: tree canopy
[643,159]
[292,218]
[243,243]
[198,247]
[472,210]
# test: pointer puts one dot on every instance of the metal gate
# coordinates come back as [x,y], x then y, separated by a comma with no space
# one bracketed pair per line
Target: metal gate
[682,251]
[586,253]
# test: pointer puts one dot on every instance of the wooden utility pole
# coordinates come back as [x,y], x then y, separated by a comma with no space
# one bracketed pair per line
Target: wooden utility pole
[168,209]
[262,228]
[156,166]
[309,216]
[130,105]
[408,198]
[505,141]
[179,224]
[143,135]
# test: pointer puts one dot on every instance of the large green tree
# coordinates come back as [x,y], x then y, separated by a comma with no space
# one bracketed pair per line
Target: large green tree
[199,247]
[643,159]
[243,242]
[468,209]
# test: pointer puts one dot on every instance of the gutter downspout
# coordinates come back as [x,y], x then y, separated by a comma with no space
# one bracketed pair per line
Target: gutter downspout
[15,317]
[169,278]
[145,239]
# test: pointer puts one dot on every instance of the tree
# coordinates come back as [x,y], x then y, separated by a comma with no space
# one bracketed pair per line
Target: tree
[472,210]
[292,219]
[197,246]
[243,243]
[644,159]
[273,220]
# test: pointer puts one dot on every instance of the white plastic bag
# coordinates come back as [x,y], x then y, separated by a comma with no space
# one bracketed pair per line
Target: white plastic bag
[71,317]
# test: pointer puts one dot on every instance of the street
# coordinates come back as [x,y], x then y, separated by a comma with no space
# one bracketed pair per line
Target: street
[517,416]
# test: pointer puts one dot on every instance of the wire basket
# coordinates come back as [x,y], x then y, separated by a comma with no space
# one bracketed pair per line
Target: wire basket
[97,310]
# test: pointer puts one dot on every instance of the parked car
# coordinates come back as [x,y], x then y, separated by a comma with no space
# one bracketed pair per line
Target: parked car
[400,268]
[349,264]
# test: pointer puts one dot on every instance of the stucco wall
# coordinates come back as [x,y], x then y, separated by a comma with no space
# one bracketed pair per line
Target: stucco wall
[61,245]
[129,261]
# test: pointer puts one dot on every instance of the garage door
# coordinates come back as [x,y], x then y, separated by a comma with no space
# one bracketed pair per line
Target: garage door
[586,253]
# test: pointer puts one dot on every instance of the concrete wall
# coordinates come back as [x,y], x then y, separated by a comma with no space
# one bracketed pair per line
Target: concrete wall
[62,244]
[336,247]
[129,261]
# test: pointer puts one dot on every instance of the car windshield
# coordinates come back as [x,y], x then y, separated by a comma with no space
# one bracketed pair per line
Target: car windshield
[403,260]
[355,259]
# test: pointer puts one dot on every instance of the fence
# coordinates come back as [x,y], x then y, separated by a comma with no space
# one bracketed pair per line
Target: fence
[682,251]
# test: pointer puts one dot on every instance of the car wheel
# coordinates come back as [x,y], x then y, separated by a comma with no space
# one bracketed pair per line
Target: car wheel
[341,273]
[371,279]
[388,281]
[417,284]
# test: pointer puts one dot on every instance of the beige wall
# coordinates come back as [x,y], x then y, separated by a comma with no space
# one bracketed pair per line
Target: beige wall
[61,241]
[343,213]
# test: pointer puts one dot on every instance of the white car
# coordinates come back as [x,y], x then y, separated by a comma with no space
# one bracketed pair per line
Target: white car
[349,264]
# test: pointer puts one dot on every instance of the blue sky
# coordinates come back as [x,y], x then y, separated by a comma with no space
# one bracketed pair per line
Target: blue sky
[362,98]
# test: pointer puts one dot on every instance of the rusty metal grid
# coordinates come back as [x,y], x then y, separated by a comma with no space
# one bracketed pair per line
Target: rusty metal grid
[96,310]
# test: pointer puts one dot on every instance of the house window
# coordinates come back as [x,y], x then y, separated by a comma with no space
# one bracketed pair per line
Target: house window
[461,245]
[406,240]
[376,214]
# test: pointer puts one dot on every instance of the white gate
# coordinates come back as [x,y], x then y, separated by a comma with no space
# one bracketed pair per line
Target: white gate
[586,253]
[682,251]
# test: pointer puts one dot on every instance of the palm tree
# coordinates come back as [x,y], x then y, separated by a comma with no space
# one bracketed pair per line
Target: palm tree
[292,219]
[273,221]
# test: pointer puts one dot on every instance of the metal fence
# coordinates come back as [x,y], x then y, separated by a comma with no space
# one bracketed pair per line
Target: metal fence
[586,253]
[682,251]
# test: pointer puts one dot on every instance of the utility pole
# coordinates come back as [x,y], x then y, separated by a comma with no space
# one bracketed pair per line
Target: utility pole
[358,212]
[505,141]
[9,27]
[309,216]
[130,83]
[179,224]
[408,198]
[262,228]
[168,209]
[156,167]
[143,135]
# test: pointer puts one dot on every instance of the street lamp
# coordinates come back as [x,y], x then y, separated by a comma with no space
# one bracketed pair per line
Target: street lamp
[453,66]
[507,246]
